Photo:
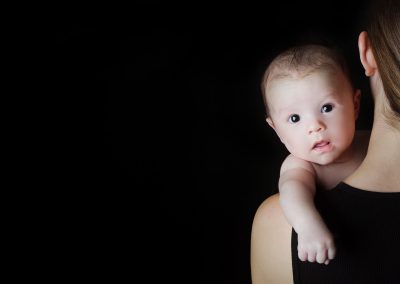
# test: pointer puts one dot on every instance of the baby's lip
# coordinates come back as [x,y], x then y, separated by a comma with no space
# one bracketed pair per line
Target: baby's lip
[320,144]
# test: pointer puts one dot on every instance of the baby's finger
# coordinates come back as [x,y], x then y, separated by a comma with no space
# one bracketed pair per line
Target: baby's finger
[326,262]
[302,255]
[331,253]
[321,256]
[311,256]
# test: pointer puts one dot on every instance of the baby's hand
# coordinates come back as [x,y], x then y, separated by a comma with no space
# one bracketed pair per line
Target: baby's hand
[315,243]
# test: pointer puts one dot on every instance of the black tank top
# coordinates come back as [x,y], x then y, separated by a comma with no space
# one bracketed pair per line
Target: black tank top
[366,228]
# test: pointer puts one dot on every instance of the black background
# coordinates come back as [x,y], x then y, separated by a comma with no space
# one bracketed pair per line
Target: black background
[166,133]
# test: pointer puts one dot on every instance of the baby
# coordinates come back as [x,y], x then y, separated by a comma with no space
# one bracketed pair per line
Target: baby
[312,106]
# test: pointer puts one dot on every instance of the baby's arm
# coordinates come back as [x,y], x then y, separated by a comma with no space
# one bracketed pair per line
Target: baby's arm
[297,189]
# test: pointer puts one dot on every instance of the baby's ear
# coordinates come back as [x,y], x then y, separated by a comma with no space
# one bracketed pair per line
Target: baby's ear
[357,99]
[270,122]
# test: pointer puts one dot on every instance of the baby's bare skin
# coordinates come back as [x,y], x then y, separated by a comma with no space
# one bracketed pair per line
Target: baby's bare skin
[297,187]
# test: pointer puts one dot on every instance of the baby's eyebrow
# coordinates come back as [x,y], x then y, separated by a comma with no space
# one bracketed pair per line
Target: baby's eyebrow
[287,110]
[332,95]
[291,108]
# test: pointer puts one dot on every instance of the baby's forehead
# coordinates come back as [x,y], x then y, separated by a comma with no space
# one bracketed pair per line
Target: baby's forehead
[314,84]
[307,76]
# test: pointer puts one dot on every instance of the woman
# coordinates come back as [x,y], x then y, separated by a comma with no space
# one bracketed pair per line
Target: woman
[363,211]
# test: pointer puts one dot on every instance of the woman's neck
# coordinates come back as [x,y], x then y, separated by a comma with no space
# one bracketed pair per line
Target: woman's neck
[380,170]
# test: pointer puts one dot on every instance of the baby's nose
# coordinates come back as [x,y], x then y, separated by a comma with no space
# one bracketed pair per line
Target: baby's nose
[316,126]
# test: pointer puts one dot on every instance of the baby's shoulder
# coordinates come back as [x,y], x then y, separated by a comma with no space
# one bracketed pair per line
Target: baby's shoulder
[292,162]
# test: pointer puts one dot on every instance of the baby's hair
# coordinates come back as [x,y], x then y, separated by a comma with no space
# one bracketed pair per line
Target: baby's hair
[303,60]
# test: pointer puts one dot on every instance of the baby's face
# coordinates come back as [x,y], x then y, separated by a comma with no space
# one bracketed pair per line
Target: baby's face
[314,116]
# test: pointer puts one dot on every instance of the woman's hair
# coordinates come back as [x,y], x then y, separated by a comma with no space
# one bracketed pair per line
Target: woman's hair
[383,29]
[303,60]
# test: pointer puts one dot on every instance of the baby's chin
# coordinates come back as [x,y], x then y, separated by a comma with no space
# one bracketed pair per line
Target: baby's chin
[323,161]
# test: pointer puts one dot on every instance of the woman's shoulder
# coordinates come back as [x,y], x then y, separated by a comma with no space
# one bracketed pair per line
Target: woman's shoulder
[271,244]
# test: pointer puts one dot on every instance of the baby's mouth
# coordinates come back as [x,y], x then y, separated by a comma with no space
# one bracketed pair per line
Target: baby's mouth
[321,145]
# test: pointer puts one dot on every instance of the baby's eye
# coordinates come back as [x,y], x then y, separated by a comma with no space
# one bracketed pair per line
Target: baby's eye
[326,108]
[294,118]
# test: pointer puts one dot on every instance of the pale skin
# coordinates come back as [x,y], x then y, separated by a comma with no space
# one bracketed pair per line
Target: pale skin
[271,232]
[314,116]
